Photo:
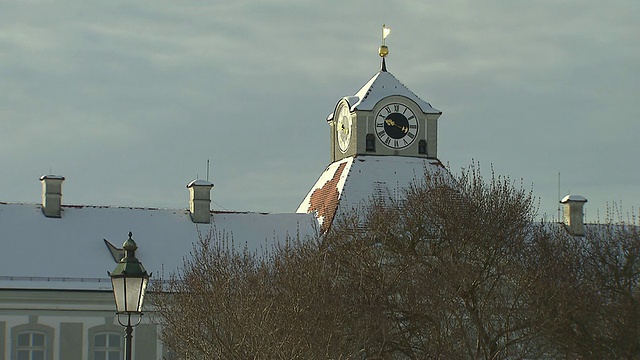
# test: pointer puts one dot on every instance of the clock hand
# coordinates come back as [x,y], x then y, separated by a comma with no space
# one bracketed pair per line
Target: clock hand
[390,122]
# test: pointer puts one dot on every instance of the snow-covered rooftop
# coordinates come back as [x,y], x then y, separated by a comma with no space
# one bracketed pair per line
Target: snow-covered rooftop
[57,177]
[348,184]
[573,198]
[198,182]
[70,253]
[381,85]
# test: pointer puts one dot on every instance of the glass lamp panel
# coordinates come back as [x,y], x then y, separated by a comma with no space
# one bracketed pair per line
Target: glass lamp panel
[119,292]
[134,287]
[143,291]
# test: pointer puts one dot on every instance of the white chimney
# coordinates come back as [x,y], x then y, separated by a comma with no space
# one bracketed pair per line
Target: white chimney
[52,195]
[573,214]
[200,201]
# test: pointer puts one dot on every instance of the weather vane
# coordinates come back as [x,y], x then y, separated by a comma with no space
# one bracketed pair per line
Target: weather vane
[384,50]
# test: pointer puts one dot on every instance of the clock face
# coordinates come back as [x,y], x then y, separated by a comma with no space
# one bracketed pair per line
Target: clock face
[396,126]
[343,128]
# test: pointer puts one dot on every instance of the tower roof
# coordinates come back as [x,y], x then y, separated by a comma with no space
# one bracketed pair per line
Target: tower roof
[381,85]
[350,183]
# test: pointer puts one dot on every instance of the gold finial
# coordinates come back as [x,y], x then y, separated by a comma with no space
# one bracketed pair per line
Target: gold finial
[384,50]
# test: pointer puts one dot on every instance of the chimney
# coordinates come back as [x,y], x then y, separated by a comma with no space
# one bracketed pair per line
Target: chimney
[573,214]
[200,201]
[52,195]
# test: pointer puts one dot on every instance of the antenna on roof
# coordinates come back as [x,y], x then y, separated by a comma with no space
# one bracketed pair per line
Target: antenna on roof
[559,220]
[207,169]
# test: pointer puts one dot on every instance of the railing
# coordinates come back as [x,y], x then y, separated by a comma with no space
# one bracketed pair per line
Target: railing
[53,278]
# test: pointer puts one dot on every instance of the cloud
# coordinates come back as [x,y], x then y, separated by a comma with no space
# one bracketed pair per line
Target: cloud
[145,92]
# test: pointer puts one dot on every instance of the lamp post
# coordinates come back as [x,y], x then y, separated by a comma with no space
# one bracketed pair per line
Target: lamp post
[129,280]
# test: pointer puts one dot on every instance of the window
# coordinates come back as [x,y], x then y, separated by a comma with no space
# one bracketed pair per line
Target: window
[31,345]
[106,342]
[371,143]
[422,147]
[32,341]
[107,346]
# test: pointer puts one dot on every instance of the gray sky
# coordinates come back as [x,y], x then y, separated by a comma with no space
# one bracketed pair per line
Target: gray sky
[128,99]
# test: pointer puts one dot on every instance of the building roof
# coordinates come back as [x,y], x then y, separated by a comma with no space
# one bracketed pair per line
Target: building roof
[381,85]
[70,252]
[573,198]
[198,182]
[348,184]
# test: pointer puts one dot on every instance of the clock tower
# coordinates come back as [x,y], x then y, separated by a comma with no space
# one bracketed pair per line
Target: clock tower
[383,139]
[384,117]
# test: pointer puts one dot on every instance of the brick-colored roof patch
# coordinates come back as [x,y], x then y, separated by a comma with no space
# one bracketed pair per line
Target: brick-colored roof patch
[325,199]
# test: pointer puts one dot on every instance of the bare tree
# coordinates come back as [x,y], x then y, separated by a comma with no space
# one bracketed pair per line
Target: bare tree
[456,247]
[590,303]
[456,268]
[290,303]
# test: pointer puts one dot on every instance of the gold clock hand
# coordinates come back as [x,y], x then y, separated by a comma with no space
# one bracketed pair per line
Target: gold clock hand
[390,122]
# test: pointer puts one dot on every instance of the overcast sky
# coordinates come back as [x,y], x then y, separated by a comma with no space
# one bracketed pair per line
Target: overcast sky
[128,99]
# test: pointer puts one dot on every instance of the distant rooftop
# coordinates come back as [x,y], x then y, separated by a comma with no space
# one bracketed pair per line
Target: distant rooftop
[70,253]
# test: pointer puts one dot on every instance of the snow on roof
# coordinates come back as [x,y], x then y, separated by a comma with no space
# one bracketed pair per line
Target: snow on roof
[576,198]
[348,184]
[198,182]
[381,85]
[69,252]
[57,177]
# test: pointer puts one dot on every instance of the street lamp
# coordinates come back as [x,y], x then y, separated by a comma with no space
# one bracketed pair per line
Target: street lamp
[129,280]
